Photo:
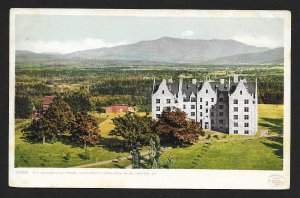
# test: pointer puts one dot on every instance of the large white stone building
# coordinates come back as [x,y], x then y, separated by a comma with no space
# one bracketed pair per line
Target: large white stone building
[229,107]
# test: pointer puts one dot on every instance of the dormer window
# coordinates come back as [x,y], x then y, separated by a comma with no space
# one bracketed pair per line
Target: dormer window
[241,92]
[193,99]
[163,92]
[206,90]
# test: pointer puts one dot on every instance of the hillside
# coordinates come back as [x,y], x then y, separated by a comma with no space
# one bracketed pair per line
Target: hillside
[273,56]
[165,51]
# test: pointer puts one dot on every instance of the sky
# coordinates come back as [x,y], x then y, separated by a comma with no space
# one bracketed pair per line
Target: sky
[69,33]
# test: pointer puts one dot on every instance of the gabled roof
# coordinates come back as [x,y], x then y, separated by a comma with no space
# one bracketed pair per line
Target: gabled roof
[188,88]
[249,86]
[47,100]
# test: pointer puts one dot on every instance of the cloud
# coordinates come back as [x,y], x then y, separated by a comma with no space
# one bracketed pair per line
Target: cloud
[64,47]
[258,41]
[187,33]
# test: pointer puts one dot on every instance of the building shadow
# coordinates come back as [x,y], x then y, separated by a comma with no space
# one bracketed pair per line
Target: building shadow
[276,144]
[273,124]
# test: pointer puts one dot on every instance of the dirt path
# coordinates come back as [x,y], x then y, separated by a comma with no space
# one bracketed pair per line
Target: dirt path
[107,161]
[168,148]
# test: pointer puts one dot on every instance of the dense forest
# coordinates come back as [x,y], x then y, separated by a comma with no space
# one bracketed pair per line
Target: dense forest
[103,85]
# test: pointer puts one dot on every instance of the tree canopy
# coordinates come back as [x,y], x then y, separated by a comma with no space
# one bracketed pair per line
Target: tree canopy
[136,130]
[174,127]
[52,123]
[85,129]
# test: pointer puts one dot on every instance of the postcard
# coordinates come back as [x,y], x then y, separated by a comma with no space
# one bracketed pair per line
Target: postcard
[185,99]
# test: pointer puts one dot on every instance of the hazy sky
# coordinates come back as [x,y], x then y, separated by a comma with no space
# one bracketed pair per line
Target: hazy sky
[64,34]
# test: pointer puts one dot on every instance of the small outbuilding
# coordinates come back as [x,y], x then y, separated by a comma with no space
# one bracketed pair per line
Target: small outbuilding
[117,108]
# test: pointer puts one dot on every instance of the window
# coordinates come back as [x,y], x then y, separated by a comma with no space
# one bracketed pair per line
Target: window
[221,99]
[163,92]
[184,107]
[206,110]
[246,124]
[246,109]
[200,113]
[192,113]
[241,92]
[157,100]
[206,103]
[220,121]
[221,114]
[235,101]
[246,117]
[212,99]
[235,117]
[212,107]
[165,108]
[200,99]
[168,101]
[206,90]
[235,124]
[193,99]
[246,131]
[157,108]
[235,109]
[157,115]
[235,131]
[192,106]
[212,113]
[221,107]
[200,106]
[246,101]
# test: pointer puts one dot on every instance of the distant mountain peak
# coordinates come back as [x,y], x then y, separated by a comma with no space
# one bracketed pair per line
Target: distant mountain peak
[164,49]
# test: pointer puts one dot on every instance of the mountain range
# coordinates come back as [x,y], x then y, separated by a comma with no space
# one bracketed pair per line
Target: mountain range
[165,50]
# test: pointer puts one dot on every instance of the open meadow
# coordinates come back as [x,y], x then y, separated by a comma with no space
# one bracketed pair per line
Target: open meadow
[220,152]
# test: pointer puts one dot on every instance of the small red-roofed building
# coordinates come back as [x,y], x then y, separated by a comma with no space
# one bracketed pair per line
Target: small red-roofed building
[117,108]
[47,100]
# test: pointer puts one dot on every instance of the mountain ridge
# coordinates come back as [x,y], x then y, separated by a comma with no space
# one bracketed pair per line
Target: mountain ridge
[162,50]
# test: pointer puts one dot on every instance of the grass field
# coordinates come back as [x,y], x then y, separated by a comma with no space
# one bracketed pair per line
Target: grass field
[270,117]
[255,154]
[224,152]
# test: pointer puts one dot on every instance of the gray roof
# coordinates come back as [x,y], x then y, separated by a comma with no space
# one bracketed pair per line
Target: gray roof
[188,87]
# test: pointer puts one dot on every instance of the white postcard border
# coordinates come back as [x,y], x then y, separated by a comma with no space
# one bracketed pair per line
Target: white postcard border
[160,178]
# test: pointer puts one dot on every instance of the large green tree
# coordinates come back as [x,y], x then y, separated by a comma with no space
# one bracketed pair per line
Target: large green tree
[173,127]
[136,130]
[23,107]
[79,101]
[85,129]
[52,124]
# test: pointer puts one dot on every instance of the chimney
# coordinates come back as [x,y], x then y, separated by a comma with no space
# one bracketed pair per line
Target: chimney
[180,86]
[222,81]
[194,81]
[235,78]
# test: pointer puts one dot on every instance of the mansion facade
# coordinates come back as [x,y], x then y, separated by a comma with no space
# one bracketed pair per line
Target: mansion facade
[229,107]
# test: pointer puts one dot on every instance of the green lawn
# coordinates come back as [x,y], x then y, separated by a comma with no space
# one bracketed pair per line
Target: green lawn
[270,117]
[51,155]
[258,154]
